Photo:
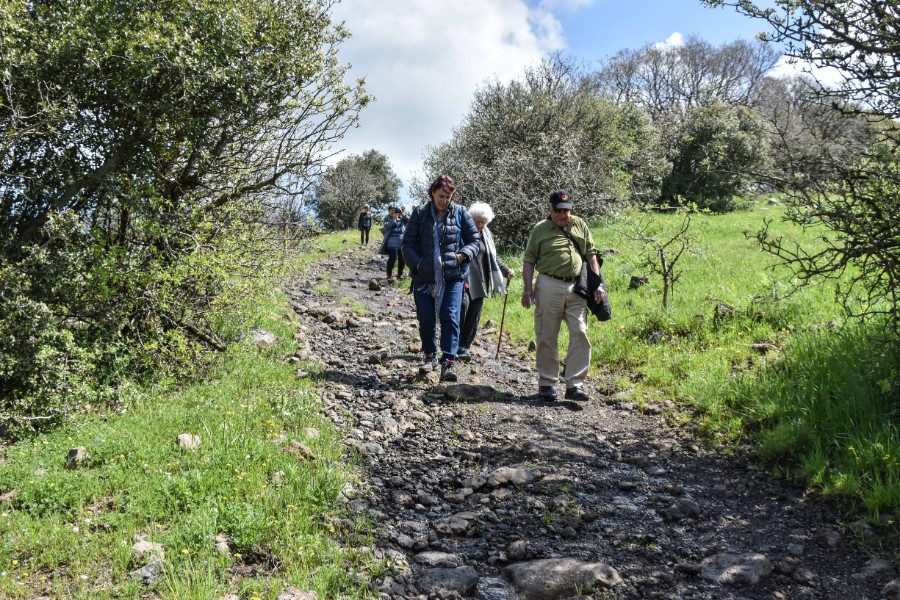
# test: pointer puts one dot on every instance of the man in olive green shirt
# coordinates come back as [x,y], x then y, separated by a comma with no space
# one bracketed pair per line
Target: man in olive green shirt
[558,259]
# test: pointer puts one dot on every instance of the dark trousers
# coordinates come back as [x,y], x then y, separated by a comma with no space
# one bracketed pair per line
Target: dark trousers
[364,235]
[395,256]
[470,316]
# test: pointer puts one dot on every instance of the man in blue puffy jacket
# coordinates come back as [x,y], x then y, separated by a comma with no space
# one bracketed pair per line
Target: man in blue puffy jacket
[440,241]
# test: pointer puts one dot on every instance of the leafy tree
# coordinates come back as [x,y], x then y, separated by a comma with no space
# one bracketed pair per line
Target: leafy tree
[142,144]
[387,184]
[693,93]
[352,182]
[857,207]
[344,189]
[717,146]
[522,139]
[809,136]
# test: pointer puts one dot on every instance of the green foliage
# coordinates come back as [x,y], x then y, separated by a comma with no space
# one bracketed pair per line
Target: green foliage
[860,244]
[809,137]
[718,145]
[352,182]
[275,507]
[703,101]
[826,413]
[858,202]
[143,145]
[387,183]
[49,363]
[524,138]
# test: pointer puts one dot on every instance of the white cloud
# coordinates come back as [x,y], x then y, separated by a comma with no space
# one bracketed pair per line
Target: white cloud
[673,41]
[786,67]
[569,5]
[423,59]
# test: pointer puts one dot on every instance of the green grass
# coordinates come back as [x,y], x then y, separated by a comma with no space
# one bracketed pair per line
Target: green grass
[356,307]
[821,409]
[827,413]
[69,533]
[826,389]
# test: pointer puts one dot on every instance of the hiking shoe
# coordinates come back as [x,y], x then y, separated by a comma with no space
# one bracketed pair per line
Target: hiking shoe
[447,372]
[463,354]
[546,392]
[429,363]
[577,393]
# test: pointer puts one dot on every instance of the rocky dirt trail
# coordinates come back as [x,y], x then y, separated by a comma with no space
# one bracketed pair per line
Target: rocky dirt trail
[480,490]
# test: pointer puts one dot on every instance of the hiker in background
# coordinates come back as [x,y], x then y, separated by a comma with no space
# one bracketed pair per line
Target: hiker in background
[485,279]
[554,249]
[365,224]
[394,226]
[438,245]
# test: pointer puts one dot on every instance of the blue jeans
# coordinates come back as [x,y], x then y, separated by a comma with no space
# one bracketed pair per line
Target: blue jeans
[449,318]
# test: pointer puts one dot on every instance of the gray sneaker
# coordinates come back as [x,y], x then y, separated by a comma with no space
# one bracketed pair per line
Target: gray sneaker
[429,364]
[447,372]
[546,392]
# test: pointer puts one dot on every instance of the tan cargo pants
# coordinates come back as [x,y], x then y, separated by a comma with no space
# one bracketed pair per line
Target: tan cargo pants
[554,302]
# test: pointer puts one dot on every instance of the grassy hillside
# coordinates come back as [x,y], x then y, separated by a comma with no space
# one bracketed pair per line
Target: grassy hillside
[739,352]
[263,484]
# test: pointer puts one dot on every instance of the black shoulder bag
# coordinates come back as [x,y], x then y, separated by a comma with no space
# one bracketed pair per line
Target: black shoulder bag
[588,282]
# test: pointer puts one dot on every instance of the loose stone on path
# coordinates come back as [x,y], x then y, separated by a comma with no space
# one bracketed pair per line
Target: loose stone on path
[549,579]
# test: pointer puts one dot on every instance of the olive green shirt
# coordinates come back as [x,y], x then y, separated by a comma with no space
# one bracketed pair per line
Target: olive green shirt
[552,252]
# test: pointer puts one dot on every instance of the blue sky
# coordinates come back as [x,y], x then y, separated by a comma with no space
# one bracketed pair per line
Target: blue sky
[606,26]
[423,59]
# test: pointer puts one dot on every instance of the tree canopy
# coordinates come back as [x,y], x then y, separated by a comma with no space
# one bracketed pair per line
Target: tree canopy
[701,99]
[669,81]
[717,146]
[356,180]
[549,129]
[140,145]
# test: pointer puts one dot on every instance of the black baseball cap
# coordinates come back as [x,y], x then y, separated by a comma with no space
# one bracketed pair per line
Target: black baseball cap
[561,199]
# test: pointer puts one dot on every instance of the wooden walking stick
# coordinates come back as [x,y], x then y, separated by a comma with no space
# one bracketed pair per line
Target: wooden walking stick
[502,318]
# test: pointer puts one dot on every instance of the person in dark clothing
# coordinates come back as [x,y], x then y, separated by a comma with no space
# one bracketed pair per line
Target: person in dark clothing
[485,279]
[394,226]
[438,245]
[365,224]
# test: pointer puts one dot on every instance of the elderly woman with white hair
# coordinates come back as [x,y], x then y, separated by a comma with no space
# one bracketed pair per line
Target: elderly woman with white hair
[485,278]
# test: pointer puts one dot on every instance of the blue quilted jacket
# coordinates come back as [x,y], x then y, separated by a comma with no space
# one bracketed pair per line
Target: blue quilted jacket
[460,237]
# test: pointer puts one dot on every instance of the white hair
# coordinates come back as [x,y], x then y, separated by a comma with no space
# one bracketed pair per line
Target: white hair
[482,209]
